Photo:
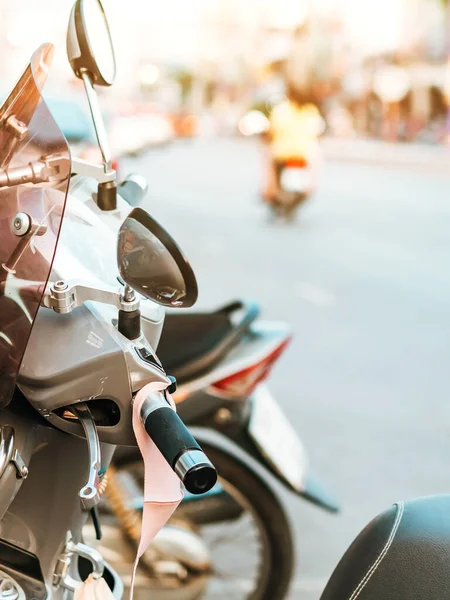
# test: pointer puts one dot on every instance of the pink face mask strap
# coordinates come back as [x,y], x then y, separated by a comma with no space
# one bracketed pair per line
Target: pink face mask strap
[162,488]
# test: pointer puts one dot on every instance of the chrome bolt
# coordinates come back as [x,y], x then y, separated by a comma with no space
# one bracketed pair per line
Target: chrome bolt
[21,224]
[9,588]
[60,286]
[128,294]
[223,415]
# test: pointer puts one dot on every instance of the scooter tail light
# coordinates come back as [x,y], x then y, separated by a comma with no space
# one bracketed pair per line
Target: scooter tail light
[93,155]
[299,162]
[242,383]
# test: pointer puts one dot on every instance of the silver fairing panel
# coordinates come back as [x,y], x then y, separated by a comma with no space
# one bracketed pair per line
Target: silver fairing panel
[80,357]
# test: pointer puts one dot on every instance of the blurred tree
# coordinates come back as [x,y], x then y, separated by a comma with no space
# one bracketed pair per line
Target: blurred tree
[185,79]
[210,91]
[446,4]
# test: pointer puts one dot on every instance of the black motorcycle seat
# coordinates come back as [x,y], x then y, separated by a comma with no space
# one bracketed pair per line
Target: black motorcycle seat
[403,554]
[192,343]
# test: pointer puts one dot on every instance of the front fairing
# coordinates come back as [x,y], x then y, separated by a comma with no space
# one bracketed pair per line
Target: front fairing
[85,356]
[28,133]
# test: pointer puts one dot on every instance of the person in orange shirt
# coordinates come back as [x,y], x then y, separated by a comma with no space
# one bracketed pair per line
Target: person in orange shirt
[295,127]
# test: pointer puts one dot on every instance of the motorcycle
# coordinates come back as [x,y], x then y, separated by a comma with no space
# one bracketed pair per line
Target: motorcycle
[220,363]
[291,181]
[83,230]
[73,352]
[219,375]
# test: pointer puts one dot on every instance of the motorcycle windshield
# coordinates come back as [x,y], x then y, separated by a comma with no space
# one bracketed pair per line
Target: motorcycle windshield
[34,179]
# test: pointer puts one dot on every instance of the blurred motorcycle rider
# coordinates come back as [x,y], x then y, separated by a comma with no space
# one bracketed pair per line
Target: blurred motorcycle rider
[295,126]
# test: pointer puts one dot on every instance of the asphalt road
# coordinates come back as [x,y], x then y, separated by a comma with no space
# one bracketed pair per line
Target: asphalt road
[363,278]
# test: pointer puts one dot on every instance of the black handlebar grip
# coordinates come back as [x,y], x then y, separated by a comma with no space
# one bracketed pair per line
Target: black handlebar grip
[177,445]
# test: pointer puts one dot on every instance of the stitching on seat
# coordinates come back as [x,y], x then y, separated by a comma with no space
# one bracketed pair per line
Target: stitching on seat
[376,564]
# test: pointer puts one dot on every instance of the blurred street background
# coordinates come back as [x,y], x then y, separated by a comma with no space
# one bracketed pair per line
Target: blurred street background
[375,69]
[362,275]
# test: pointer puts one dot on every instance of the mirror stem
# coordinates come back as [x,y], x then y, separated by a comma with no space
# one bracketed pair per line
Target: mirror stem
[129,323]
[129,295]
[97,118]
[107,192]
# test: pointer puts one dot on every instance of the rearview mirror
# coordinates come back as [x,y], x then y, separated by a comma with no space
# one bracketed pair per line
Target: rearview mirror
[152,264]
[89,45]
[91,56]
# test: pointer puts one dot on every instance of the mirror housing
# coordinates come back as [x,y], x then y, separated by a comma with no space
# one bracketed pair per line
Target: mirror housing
[83,49]
[151,262]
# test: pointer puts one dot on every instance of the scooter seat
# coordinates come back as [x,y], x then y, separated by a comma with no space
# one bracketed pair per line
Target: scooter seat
[403,554]
[192,343]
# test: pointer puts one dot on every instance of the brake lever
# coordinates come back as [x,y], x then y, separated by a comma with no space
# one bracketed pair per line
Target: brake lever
[89,494]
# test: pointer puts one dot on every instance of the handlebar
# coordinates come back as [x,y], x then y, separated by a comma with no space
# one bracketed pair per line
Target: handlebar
[177,445]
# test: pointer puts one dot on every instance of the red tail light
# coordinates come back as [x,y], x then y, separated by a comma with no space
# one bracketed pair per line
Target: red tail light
[244,382]
[299,162]
[93,155]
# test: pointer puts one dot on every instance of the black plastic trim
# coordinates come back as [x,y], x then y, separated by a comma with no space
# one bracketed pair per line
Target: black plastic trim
[20,560]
